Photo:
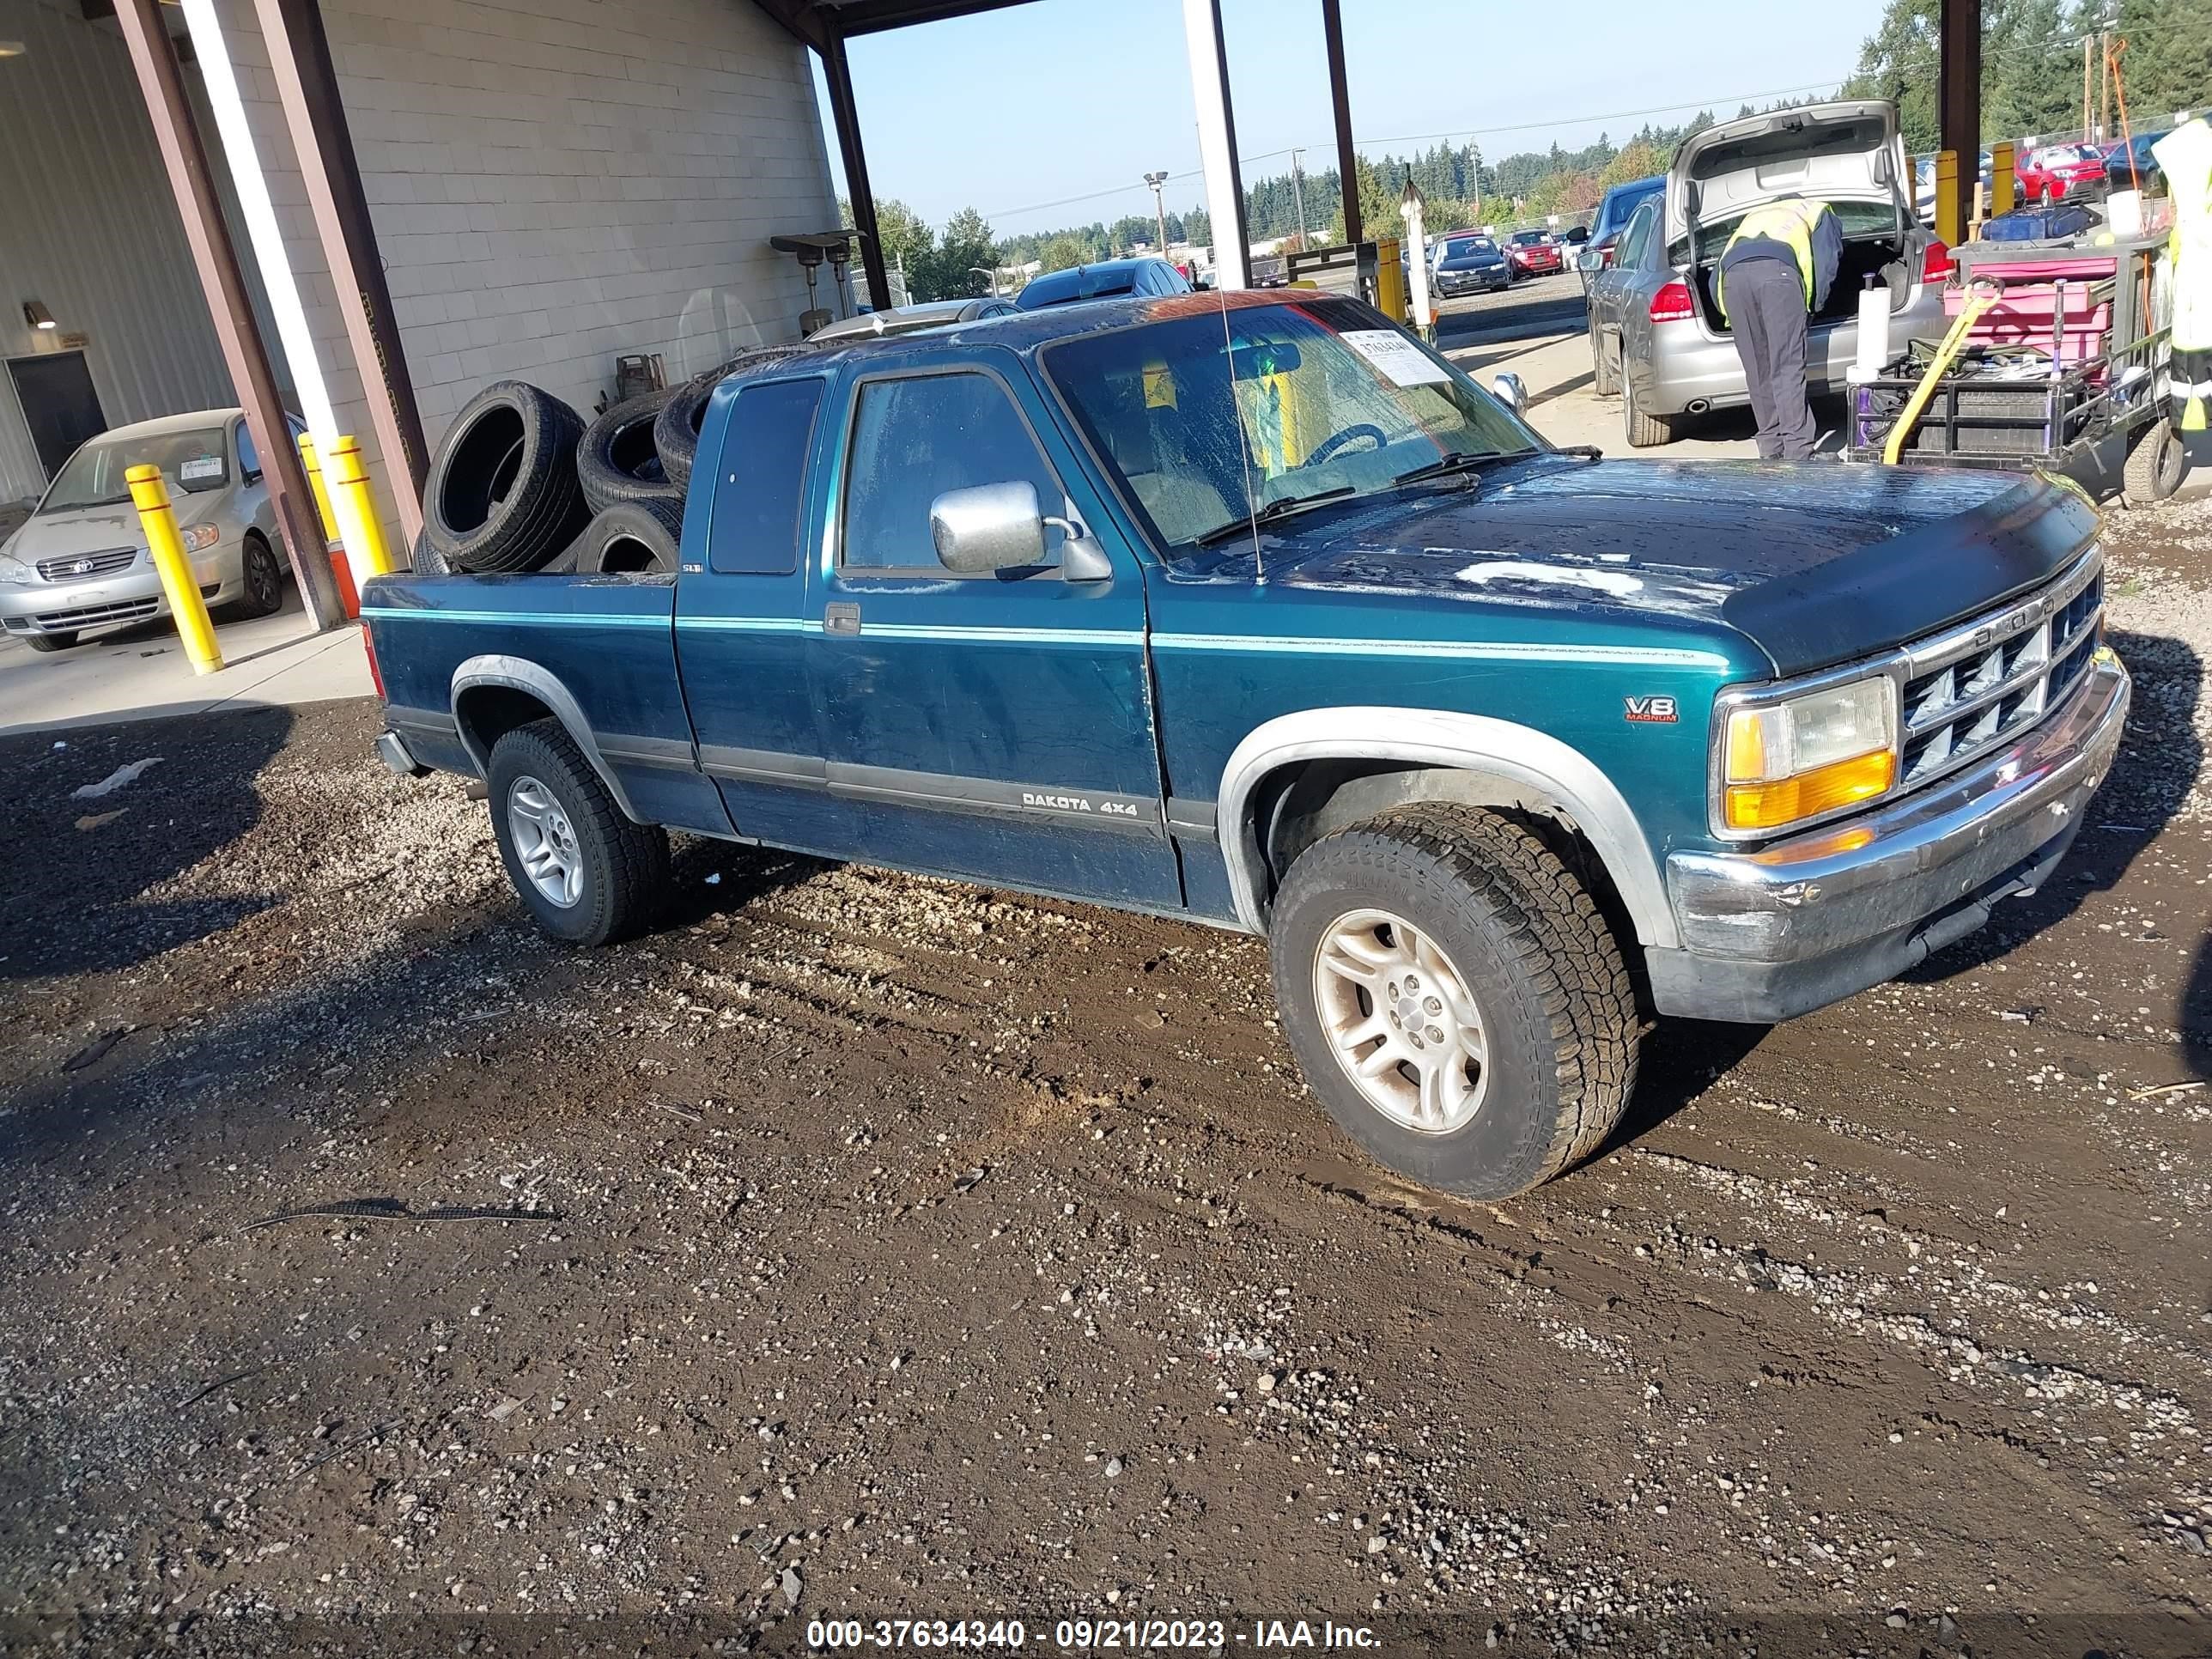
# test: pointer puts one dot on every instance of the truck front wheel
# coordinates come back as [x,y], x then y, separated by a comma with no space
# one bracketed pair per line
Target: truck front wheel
[587,873]
[1454,998]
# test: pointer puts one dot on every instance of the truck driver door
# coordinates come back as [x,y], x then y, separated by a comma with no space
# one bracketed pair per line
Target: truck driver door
[998,725]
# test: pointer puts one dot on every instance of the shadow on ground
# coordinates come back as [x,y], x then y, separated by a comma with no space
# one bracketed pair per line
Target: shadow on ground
[76,897]
[2157,768]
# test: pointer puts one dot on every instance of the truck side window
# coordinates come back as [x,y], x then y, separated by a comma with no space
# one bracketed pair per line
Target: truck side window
[915,438]
[755,527]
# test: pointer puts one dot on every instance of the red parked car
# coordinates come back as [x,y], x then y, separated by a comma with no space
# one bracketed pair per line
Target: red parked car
[1534,253]
[2060,173]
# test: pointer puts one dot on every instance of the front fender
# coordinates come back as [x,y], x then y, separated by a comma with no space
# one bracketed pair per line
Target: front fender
[1541,766]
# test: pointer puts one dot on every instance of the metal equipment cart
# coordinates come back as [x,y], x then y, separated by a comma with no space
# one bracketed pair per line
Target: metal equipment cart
[2055,350]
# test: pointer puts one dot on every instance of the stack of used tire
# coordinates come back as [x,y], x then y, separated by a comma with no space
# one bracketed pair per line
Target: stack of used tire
[522,483]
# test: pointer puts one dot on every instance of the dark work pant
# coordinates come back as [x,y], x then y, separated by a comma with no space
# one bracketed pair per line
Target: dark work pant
[1766,312]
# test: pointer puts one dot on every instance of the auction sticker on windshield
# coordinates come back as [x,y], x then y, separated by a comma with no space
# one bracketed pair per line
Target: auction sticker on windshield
[1396,356]
[200,468]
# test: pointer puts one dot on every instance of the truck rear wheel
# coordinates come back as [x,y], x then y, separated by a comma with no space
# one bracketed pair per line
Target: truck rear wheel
[587,873]
[1454,998]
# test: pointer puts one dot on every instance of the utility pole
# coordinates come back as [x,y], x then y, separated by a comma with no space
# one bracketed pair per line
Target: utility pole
[2104,84]
[2088,49]
[1159,207]
[1298,193]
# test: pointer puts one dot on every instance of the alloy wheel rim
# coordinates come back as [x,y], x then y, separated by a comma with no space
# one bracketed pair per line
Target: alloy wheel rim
[545,842]
[261,574]
[1399,1018]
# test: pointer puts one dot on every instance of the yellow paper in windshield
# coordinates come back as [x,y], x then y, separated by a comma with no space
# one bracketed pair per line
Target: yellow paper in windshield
[1159,386]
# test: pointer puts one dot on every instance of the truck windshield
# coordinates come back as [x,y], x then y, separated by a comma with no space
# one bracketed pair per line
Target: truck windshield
[1217,412]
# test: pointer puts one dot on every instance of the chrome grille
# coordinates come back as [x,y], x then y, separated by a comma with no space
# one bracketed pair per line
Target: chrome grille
[97,615]
[83,567]
[1991,679]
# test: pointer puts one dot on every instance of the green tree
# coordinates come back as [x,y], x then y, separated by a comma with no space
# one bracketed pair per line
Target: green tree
[1063,250]
[949,270]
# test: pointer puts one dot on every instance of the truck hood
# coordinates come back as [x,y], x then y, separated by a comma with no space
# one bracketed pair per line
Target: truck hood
[1815,564]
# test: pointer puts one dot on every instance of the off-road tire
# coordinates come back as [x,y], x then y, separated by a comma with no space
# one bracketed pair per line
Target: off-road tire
[625,865]
[503,494]
[1559,1008]
[250,603]
[616,459]
[633,537]
[1642,431]
[2157,458]
[675,433]
[1605,379]
[49,641]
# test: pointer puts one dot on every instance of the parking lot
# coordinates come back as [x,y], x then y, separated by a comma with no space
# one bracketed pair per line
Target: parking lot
[867,1245]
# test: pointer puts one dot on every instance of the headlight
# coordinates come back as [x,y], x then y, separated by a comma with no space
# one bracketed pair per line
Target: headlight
[200,538]
[14,570]
[1794,758]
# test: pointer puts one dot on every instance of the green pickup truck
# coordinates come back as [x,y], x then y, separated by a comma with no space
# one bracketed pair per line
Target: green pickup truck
[1252,610]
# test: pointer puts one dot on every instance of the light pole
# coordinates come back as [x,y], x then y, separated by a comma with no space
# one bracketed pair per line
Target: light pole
[1159,207]
[989,274]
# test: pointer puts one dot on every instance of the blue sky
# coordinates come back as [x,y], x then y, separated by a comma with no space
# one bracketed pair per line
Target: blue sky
[1014,111]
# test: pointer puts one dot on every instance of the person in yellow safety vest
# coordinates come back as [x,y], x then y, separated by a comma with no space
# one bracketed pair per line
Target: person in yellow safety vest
[2185,155]
[1774,274]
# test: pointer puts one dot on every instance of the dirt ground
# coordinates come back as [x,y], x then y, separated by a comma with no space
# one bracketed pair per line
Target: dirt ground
[374,1274]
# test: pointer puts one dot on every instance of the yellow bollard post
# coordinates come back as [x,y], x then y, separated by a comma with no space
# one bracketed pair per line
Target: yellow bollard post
[314,466]
[348,474]
[1950,211]
[340,562]
[151,497]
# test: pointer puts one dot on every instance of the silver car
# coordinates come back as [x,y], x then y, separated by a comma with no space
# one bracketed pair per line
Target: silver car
[909,319]
[80,561]
[1656,337]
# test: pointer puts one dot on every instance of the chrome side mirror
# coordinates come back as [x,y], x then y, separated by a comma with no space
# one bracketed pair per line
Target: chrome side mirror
[1590,259]
[1511,391]
[988,528]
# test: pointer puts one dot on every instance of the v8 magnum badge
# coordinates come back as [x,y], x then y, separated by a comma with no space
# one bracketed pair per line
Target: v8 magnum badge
[1651,711]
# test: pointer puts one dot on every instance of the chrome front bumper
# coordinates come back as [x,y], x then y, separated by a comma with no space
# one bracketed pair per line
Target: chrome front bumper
[1809,921]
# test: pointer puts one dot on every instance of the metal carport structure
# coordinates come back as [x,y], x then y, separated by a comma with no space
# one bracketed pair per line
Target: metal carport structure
[307,87]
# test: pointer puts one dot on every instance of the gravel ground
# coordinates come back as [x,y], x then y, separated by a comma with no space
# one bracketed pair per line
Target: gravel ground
[376,1276]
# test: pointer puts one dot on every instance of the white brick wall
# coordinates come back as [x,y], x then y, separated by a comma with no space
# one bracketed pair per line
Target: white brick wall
[556,182]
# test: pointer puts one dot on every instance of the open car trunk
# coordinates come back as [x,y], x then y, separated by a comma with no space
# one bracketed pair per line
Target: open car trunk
[1882,257]
[1848,154]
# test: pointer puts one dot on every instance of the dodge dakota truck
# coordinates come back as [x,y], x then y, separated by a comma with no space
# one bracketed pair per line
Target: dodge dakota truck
[1252,610]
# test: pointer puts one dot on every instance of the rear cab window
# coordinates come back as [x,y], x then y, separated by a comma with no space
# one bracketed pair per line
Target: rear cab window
[759,510]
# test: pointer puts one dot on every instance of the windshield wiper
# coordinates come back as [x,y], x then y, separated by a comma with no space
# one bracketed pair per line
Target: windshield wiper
[1457,460]
[1282,507]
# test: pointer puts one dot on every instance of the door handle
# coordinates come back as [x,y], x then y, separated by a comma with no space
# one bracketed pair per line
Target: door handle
[842,618]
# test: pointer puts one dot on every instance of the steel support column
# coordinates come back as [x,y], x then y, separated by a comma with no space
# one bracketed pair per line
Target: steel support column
[154,58]
[1217,143]
[307,87]
[1339,99]
[846,114]
[1958,108]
